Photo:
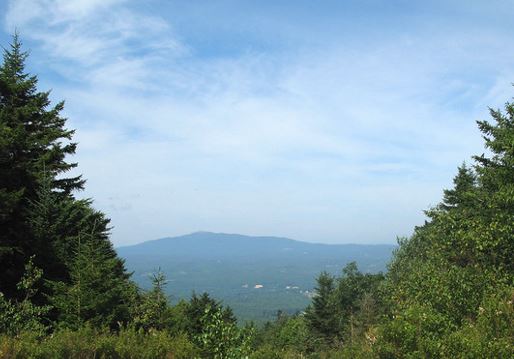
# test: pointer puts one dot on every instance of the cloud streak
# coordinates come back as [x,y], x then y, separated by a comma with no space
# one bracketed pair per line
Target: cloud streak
[337,141]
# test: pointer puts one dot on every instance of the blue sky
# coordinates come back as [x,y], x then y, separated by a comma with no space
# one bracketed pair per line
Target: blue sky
[326,121]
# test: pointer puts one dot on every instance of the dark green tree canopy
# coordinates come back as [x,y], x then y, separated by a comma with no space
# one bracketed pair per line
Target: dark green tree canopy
[34,144]
[462,194]
[39,215]
[321,315]
[34,138]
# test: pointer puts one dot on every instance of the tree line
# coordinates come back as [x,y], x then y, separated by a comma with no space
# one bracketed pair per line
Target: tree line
[64,292]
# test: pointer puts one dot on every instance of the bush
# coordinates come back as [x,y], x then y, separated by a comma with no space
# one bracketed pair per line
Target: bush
[415,332]
[491,335]
[90,343]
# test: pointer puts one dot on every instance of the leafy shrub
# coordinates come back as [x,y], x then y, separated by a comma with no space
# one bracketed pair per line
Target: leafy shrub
[491,335]
[222,339]
[90,343]
[414,332]
[18,316]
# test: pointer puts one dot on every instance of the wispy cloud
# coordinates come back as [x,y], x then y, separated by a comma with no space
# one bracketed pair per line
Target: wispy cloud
[329,140]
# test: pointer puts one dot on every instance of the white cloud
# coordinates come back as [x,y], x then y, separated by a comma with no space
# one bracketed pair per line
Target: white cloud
[345,142]
[91,32]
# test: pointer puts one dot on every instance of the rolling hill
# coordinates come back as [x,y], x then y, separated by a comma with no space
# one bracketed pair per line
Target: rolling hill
[256,276]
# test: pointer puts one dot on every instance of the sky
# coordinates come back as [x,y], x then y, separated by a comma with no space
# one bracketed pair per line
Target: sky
[322,121]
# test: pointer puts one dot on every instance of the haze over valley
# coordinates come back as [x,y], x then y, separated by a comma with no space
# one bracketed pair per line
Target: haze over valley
[256,276]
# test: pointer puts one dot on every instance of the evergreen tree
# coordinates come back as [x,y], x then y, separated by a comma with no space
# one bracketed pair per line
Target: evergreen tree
[97,294]
[322,315]
[358,299]
[39,216]
[154,310]
[57,223]
[463,192]
[495,228]
[33,142]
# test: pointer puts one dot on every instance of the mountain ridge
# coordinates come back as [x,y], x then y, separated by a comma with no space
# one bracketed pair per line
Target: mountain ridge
[229,266]
[207,235]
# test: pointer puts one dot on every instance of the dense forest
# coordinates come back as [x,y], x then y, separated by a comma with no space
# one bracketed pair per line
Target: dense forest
[448,291]
[230,266]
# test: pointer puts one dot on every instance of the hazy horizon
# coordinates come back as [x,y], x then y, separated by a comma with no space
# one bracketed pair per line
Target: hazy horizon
[245,235]
[337,122]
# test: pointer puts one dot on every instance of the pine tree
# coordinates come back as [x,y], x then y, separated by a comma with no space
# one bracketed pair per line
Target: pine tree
[33,143]
[154,311]
[322,316]
[97,294]
[57,222]
[358,299]
[463,192]
[495,228]
[497,171]
[39,215]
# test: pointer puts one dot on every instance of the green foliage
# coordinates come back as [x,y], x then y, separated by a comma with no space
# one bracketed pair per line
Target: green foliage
[463,193]
[293,334]
[178,319]
[222,339]
[58,224]
[423,332]
[490,335]
[196,309]
[153,311]
[18,316]
[441,279]
[449,291]
[287,333]
[96,293]
[39,216]
[270,352]
[322,314]
[413,333]
[359,301]
[33,143]
[345,307]
[90,343]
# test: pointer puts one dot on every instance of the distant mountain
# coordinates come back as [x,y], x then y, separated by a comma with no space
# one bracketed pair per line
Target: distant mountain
[256,276]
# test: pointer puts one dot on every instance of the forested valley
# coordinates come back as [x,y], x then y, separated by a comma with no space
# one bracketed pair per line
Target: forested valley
[64,293]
